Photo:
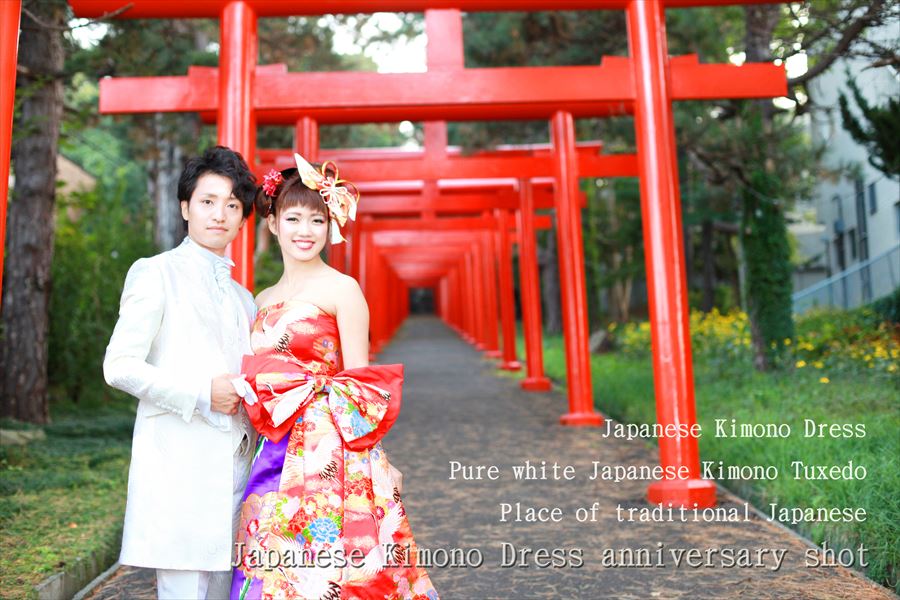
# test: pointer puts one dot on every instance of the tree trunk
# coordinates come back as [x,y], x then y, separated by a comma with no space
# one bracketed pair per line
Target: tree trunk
[165,169]
[709,271]
[30,218]
[619,290]
[552,308]
[764,227]
[624,287]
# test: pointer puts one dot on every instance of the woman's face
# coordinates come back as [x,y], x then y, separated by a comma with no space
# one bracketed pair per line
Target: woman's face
[301,232]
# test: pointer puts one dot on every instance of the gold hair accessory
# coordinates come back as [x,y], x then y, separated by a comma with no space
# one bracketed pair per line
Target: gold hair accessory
[340,196]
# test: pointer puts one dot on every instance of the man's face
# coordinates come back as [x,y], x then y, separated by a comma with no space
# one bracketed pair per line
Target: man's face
[214,215]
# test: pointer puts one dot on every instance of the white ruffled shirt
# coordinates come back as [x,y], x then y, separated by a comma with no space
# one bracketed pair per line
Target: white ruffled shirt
[221,266]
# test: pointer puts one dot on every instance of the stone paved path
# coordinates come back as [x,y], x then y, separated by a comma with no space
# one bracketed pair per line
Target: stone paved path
[456,408]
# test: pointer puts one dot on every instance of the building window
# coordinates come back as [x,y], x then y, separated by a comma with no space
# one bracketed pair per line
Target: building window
[839,206]
[851,240]
[839,251]
[897,214]
[873,200]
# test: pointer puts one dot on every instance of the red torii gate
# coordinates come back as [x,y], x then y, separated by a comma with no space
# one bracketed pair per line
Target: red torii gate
[647,84]
[470,230]
[501,225]
[532,161]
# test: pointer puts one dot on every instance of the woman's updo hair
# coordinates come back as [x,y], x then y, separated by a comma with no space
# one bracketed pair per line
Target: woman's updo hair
[291,192]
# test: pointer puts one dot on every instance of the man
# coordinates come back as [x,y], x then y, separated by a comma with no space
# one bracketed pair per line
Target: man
[183,327]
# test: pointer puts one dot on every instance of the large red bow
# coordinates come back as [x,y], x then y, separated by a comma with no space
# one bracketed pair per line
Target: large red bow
[364,401]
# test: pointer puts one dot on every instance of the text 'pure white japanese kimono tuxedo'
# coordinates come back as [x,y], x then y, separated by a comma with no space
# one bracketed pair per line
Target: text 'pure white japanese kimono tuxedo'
[178,327]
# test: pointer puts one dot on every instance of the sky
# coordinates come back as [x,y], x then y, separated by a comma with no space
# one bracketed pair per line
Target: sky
[399,57]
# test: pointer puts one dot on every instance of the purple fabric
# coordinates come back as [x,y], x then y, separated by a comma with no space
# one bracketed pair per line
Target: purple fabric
[265,477]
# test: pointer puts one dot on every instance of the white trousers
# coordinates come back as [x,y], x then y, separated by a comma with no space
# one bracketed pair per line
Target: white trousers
[192,585]
[172,584]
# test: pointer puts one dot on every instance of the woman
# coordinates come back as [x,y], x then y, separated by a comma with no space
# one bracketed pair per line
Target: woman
[322,515]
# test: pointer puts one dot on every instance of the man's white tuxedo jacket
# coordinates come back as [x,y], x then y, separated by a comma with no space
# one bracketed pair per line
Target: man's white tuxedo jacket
[177,329]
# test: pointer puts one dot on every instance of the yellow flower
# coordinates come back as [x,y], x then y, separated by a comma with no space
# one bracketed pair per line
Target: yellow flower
[818,364]
[787,341]
[824,380]
[891,368]
[800,364]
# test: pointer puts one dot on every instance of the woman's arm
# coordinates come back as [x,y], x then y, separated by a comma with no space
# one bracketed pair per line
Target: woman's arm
[353,323]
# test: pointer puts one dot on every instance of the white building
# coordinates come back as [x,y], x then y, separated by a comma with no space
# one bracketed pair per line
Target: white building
[860,212]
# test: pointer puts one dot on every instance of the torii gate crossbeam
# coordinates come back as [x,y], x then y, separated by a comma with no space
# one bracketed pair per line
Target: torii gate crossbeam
[652,82]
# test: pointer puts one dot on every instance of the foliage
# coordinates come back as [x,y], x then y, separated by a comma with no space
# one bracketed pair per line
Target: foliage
[762,162]
[828,30]
[614,252]
[755,155]
[624,390]
[769,269]
[888,308]
[136,48]
[828,342]
[878,129]
[513,39]
[101,145]
[64,498]
[98,236]
[268,267]
[171,46]
[845,371]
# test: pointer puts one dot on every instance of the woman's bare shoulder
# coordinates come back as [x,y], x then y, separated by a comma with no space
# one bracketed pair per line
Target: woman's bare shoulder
[346,281]
[346,290]
[263,297]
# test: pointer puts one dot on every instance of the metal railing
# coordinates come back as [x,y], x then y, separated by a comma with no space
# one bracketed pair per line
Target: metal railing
[860,284]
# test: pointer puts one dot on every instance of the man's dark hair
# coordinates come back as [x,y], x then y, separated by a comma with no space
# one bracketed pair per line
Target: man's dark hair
[221,161]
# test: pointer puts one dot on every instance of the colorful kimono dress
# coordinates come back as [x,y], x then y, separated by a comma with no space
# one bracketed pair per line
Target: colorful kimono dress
[321,516]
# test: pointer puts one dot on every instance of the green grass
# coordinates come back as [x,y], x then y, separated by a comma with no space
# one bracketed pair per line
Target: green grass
[623,388]
[64,498]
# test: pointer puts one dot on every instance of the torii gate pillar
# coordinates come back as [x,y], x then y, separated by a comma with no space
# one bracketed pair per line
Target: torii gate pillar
[490,304]
[530,289]
[507,293]
[9,46]
[571,275]
[666,282]
[236,116]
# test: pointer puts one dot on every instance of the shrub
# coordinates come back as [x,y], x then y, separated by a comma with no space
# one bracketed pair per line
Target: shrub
[98,237]
[826,340]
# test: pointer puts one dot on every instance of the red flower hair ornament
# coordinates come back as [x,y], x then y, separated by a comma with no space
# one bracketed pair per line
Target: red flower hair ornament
[271,182]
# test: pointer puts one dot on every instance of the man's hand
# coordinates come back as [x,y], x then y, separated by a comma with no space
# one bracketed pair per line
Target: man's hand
[222,397]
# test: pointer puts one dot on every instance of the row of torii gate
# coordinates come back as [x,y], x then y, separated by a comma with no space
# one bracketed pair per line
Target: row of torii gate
[434,218]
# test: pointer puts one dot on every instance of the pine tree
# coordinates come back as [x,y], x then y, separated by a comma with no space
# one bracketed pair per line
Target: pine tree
[878,129]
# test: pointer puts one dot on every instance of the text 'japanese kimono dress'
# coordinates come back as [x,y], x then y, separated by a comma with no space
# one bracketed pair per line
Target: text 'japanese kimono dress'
[322,517]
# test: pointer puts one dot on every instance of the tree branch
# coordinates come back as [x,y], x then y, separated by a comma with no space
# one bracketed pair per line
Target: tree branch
[45,25]
[847,38]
